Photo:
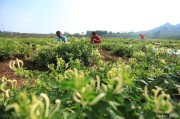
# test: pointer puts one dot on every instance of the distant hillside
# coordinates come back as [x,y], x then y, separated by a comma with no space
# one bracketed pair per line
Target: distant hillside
[164,31]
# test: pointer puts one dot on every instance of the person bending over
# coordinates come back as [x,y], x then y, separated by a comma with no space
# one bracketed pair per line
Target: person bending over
[60,36]
[95,39]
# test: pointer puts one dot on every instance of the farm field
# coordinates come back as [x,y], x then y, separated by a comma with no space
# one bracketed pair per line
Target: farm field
[124,79]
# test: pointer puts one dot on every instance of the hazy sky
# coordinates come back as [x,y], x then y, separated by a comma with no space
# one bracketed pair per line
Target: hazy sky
[75,16]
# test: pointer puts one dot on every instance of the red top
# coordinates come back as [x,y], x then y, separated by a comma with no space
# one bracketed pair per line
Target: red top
[95,38]
[142,35]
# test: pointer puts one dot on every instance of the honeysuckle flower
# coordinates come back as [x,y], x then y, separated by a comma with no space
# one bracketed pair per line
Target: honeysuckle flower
[98,83]
[112,73]
[7,93]
[12,64]
[97,98]
[92,84]
[156,91]
[58,103]
[119,86]
[162,61]
[104,87]
[15,106]
[146,93]
[34,112]
[1,97]
[162,101]
[83,89]
[3,86]
[6,86]
[77,99]
[45,97]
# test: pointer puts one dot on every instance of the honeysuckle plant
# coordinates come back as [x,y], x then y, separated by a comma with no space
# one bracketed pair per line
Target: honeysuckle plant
[161,100]
[34,107]
[90,91]
[6,87]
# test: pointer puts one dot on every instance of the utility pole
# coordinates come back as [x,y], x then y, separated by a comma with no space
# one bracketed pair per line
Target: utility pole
[2,27]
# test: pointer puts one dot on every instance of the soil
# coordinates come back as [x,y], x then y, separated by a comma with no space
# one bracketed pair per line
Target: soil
[107,55]
[9,73]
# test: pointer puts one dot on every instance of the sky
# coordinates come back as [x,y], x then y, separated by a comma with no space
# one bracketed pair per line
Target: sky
[78,16]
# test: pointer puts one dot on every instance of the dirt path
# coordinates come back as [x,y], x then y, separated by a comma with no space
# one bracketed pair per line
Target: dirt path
[109,56]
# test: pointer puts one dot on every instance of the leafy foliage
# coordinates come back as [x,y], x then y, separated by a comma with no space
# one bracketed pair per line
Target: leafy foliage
[147,86]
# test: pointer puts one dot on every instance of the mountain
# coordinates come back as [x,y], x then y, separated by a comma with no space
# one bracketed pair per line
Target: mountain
[164,31]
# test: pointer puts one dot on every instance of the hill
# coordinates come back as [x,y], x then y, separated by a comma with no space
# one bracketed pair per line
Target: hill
[164,31]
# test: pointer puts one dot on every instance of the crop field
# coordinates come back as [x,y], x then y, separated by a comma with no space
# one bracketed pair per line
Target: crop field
[124,79]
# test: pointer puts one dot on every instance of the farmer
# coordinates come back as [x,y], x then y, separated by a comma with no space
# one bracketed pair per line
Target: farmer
[142,37]
[60,36]
[95,38]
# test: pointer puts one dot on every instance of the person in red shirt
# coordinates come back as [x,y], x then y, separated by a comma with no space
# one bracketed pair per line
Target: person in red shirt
[142,37]
[95,38]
